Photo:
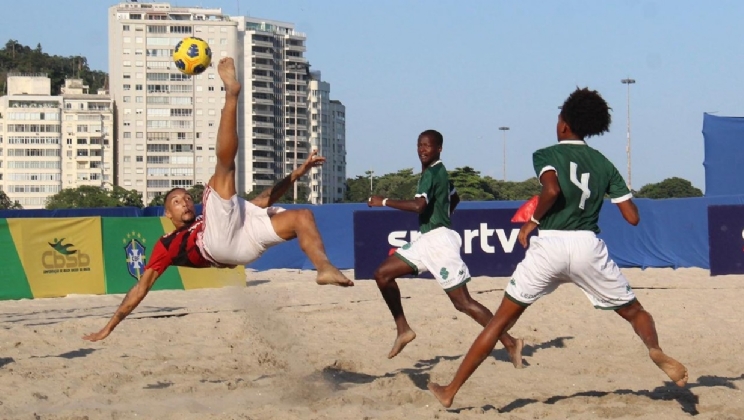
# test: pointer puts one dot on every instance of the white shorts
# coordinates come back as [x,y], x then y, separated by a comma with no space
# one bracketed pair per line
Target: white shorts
[556,257]
[438,252]
[236,232]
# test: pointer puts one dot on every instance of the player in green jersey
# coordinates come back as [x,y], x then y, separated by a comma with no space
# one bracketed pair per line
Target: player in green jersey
[437,250]
[575,179]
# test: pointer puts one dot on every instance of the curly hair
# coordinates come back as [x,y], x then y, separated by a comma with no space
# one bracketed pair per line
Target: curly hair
[587,113]
[435,135]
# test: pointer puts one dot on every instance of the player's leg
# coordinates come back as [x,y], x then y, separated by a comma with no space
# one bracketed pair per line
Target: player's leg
[507,314]
[385,275]
[607,288]
[643,325]
[464,302]
[223,180]
[300,224]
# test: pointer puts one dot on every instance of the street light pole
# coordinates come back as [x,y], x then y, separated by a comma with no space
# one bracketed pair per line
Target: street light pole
[628,82]
[504,130]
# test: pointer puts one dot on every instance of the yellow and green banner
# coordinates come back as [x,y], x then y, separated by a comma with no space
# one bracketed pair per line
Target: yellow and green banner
[59,256]
[48,257]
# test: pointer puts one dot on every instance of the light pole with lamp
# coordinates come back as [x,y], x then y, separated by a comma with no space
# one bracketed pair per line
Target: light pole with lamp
[504,130]
[628,82]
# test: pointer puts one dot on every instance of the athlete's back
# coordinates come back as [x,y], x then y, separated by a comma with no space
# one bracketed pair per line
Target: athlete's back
[585,177]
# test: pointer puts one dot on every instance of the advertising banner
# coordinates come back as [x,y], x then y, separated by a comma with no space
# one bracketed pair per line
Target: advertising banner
[726,238]
[60,256]
[489,240]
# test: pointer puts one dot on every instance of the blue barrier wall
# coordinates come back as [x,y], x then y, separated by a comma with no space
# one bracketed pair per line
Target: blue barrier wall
[672,233]
[724,155]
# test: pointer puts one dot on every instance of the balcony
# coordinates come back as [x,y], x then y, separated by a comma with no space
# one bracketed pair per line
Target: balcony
[263,101]
[262,89]
[293,47]
[267,171]
[265,112]
[264,54]
[263,159]
[262,43]
[263,124]
[263,77]
[263,148]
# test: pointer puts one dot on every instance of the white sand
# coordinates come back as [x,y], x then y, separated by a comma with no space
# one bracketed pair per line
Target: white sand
[284,348]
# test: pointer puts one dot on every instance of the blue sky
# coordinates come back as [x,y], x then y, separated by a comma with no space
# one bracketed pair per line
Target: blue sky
[467,67]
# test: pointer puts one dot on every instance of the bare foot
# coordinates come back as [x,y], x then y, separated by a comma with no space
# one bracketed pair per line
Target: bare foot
[515,353]
[331,275]
[400,342]
[441,393]
[674,369]
[226,70]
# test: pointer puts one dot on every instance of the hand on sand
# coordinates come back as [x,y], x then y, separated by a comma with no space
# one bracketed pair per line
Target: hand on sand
[100,335]
[312,161]
[226,70]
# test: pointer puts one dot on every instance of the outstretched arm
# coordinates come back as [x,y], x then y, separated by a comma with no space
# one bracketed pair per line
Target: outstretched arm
[417,205]
[273,194]
[131,300]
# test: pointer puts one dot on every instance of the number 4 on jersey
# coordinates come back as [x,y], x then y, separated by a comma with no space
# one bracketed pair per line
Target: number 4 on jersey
[583,184]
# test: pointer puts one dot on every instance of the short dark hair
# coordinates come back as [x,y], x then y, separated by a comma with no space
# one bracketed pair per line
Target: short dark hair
[587,113]
[435,135]
[165,199]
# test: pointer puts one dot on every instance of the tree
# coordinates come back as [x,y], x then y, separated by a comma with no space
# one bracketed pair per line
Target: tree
[7,204]
[470,186]
[669,188]
[87,196]
[22,58]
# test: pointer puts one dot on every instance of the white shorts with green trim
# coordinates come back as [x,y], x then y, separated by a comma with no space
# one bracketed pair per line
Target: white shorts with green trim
[579,257]
[438,252]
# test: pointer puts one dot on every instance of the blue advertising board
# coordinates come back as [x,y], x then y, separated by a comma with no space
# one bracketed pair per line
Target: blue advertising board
[489,240]
[726,239]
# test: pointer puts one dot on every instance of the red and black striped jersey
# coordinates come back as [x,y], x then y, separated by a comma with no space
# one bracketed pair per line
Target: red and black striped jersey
[180,248]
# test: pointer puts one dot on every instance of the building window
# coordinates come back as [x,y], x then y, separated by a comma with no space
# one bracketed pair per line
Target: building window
[125,27]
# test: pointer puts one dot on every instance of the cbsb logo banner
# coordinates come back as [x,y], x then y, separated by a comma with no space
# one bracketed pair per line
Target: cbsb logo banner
[489,239]
[60,256]
[726,239]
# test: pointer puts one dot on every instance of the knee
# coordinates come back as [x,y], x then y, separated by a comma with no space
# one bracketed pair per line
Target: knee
[462,306]
[632,311]
[305,216]
[382,277]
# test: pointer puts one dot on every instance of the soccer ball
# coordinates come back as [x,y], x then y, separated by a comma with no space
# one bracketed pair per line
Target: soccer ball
[192,55]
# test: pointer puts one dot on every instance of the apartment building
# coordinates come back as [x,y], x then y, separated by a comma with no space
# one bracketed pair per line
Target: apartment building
[274,102]
[47,142]
[327,119]
[166,121]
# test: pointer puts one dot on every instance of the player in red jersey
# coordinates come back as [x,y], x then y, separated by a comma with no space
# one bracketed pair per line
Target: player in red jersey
[232,231]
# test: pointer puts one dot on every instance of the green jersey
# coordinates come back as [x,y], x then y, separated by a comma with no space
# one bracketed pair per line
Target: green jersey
[435,186]
[585,176]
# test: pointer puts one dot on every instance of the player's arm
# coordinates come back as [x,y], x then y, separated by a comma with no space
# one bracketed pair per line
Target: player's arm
[629,211]
[454,200]
[131,300]
[417,205]
[622,197]
[551,190]
[549,193]
[273,194]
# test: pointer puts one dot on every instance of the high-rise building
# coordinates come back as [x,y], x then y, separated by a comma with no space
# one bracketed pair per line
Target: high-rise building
[166,121]
[327,119]
[274,102]
[52,142]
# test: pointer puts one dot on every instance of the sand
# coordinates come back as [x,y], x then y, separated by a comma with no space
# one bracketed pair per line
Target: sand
[284,348]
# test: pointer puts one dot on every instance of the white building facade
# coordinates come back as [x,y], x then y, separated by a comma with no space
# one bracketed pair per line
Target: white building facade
[166,121]
[327,119]
[47,142]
